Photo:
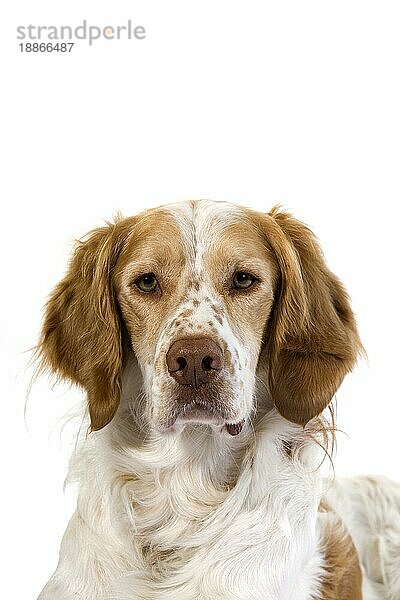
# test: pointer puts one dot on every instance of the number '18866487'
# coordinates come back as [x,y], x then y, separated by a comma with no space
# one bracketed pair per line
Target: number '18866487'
[49,47]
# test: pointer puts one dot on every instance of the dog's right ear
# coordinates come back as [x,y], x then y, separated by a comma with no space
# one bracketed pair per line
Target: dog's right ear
[81,335]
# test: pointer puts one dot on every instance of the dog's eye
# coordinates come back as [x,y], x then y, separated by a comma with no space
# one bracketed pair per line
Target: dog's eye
[242,280]
[147,282]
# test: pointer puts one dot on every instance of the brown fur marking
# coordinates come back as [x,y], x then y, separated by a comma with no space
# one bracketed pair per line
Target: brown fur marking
[343,578]
[312,337]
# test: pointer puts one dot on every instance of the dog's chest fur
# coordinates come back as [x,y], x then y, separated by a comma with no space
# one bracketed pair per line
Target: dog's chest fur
[199,519]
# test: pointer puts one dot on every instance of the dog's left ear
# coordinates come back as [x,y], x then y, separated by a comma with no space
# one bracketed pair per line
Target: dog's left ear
[312,339]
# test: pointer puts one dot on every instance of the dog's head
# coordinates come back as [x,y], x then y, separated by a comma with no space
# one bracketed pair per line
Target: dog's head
[209,297]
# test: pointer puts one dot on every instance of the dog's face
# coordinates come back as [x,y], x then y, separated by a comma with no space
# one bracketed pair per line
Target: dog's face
[204,293]
[195,286]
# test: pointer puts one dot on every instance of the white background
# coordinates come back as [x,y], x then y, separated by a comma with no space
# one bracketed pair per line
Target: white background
[253,102]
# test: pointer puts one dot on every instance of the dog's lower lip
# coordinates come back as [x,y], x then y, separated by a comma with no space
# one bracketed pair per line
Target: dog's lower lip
[234,428]
[197,413]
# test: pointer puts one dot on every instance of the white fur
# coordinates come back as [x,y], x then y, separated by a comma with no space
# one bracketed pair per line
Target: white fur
[256,538]
[370,507]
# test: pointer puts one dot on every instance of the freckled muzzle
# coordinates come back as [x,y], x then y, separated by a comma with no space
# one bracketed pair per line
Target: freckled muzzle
[195,364]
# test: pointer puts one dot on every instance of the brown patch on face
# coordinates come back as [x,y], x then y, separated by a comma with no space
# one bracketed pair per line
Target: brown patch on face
[343,578]
[312,338]
[155,246]
[212,326]
[217,309]
[241,247]
[195,302]
[195,285]
[185,313]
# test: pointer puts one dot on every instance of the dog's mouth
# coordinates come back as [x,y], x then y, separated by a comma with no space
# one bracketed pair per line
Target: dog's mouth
[206,415]
[234,428]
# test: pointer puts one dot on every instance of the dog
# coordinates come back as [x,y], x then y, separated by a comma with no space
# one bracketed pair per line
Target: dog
[209,339]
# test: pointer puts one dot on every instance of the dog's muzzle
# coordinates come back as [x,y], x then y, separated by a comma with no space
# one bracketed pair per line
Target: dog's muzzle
[195,364]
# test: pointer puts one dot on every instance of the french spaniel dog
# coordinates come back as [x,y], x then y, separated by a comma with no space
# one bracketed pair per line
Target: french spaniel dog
[209,339]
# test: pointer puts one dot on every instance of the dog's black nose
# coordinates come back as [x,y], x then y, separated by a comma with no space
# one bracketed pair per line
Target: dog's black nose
[194,361]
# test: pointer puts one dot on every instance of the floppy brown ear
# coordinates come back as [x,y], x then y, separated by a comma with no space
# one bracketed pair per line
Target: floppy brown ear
[81,335]
[312,339]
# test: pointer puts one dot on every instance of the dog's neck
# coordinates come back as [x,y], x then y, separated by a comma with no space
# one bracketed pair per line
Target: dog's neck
[167,498]
[175,483]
